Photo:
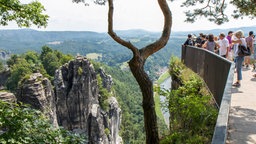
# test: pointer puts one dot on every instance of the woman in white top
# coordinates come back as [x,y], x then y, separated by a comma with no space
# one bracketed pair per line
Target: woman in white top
[238,38]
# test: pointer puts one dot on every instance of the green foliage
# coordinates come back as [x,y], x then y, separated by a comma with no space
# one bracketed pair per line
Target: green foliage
[22,66]
[53,59]
[129,98]
[20,124]
[12,60]
[24,14]
[1,66]
[163,77]
[18,71]
[163,128]
[215,10]
[192,111]
[104,95]
[85,43]
[80,71]
[107,132]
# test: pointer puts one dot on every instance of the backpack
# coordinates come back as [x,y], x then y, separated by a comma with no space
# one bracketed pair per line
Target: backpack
[190,42]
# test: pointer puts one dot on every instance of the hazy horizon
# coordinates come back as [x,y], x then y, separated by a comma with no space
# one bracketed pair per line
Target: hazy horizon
[132,14]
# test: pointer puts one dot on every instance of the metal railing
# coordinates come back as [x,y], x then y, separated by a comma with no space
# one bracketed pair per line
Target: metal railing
[217,73]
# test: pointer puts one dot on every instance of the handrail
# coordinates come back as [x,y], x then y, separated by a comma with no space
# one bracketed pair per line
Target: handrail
[217,73]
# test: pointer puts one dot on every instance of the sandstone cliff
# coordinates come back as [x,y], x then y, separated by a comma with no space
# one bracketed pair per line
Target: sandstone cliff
[7,97]
[3,78]
[73,103]
[77,103]
[37,91]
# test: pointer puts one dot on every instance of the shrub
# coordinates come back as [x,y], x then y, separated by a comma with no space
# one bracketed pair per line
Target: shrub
[104,95]
[80,71]
[20,124]
[192,111]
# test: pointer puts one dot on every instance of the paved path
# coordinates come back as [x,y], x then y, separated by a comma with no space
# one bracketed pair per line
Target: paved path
[242,115]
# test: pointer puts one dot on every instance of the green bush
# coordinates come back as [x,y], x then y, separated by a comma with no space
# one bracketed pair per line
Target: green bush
[107,131]
[104,95]
[20,124]
[80,71]
[1,66]
[192,111]
[30,62]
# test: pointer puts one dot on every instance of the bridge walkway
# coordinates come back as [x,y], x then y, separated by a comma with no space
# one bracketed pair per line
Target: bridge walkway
[242,114]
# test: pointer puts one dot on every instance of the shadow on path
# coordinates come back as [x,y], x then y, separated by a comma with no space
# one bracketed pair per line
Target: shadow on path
[242,126]
[235,90]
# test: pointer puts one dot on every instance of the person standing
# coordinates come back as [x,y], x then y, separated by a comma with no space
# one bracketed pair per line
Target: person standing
[249,41]
[210,44]
[230,50]
[189,41]
[237,39]
[203,40]
[199,40]
[224,45]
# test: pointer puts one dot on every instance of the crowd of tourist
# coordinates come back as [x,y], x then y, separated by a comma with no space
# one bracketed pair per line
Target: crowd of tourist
[227,47]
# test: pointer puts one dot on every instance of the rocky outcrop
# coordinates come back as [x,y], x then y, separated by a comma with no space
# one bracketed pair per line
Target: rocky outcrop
[114,112]
[4,55]
[107,81]
[114,120]
[3,78]
[74,102]
[7,97]
[37,91]
[77,103]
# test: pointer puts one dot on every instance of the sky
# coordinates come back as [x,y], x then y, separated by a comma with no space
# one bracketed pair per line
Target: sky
[128,14]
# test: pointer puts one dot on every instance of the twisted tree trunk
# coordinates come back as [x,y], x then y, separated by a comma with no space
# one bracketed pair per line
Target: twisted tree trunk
[146,86]
[136,65]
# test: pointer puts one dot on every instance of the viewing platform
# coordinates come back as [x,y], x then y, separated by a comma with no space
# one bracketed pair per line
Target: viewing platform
[236,122]
[242,113]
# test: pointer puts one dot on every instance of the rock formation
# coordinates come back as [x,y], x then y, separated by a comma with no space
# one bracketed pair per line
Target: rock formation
[107,81]
[74,102]
[8,97]
[3,78]
[37,91]
[77,102]
[114,120]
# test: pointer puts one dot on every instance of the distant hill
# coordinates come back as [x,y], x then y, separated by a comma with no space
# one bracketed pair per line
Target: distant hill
[218,31]
[87,42]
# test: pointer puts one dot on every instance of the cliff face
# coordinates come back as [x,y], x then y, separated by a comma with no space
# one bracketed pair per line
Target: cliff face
[38,92]
[114,120]
[3,78]
[7,97]
[74,101]
[114,113]
[77,103]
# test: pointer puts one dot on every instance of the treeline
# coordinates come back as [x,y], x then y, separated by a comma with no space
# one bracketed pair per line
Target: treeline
[114,54]
[22,66]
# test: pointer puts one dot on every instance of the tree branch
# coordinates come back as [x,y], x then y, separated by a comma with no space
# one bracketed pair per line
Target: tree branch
[127,44]
[222,6]
[10,7]
[162,41]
